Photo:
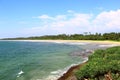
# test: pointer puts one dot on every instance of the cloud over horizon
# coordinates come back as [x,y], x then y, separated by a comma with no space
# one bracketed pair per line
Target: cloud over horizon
[76,23]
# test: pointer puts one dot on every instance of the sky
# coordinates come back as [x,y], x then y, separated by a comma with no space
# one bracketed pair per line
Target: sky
[24,18]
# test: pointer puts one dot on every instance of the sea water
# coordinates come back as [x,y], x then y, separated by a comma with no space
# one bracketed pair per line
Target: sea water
[22,60]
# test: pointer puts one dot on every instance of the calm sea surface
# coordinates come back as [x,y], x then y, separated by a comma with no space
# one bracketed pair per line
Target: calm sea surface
[35,60]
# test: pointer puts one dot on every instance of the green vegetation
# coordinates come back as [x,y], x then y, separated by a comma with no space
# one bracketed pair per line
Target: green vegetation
[102,64]
[85,36]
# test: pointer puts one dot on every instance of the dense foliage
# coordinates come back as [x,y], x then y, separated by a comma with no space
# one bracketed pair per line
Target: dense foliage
[101,63]
[85,36]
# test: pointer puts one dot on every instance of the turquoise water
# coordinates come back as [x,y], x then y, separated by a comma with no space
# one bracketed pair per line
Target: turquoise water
[37,60]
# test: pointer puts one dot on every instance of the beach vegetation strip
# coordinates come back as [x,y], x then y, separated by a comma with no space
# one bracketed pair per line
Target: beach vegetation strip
[113,36]
[102,65]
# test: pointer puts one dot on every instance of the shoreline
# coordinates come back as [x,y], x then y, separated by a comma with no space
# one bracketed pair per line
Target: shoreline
[72,41]
[63,74]
[69,74]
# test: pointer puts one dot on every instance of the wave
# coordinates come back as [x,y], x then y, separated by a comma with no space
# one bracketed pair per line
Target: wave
[72,43]
[20,73]
[54,75]
[107,45]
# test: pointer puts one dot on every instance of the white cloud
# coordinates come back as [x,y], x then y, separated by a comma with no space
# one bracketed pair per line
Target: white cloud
[109,21]
[47,17]
[44,17]
[60,17]
[73,22]
[70,11]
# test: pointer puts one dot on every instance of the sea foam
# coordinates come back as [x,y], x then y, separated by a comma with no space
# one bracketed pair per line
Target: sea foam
[20,73]
[54,75]
[107,45]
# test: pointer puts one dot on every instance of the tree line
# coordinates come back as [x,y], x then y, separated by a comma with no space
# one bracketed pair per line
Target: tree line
[85,36]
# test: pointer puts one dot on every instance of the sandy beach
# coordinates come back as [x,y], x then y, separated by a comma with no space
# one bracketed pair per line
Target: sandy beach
[74,41]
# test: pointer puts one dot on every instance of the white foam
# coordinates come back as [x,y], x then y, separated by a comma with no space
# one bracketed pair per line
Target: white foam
[54,75]
[77,43]
[20,73]
[72,43]
[56,72]
[107,45]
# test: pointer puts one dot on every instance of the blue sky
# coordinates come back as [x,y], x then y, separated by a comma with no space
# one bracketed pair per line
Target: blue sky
[22,18]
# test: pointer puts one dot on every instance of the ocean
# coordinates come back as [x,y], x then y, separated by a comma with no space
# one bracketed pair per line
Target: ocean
[25,60]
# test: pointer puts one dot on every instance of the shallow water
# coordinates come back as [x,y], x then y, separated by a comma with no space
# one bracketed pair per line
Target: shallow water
[35,60]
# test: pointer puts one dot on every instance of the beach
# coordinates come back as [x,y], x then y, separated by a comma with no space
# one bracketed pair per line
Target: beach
[69,74]
[74,41]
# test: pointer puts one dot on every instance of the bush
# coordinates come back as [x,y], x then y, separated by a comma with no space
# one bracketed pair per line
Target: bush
[101,62]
